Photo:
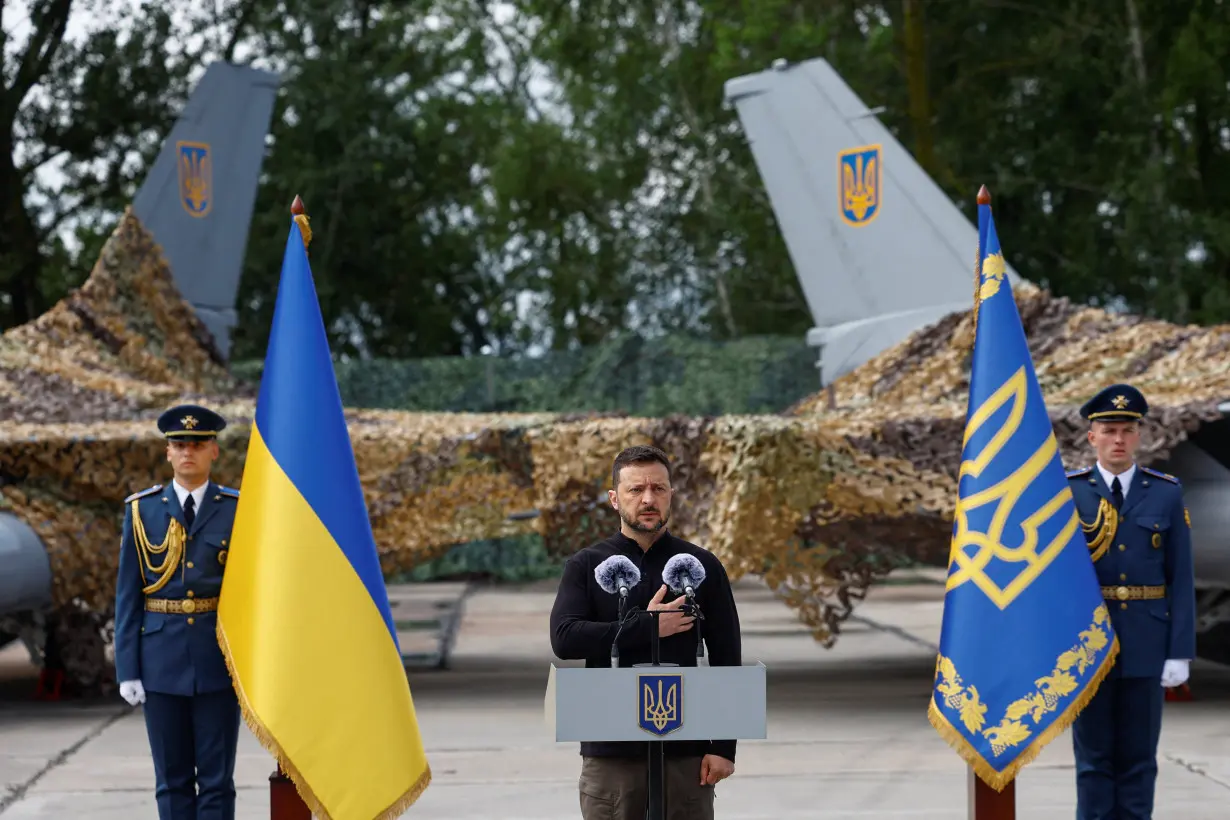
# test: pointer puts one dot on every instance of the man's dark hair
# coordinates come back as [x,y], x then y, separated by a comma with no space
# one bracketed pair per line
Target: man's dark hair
[640,454]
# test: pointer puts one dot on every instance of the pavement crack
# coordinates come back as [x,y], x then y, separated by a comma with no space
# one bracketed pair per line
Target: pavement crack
[895,630]
[18,792]
[1195,768]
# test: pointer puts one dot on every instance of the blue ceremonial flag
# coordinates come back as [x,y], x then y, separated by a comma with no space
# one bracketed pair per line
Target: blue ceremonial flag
[1026,637]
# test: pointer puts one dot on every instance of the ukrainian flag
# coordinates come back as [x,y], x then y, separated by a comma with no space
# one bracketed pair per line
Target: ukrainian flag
[304,619]
[1026,636]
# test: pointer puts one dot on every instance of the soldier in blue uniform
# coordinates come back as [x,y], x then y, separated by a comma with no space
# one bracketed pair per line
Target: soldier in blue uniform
[172,556]
[1140,541]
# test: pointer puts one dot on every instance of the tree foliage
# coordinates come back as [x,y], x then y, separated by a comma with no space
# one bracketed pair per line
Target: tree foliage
[485,176]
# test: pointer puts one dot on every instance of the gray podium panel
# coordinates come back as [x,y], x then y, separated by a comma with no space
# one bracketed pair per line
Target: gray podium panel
[663,703]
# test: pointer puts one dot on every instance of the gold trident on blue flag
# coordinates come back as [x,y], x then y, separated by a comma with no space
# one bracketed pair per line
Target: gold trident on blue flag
[1026,636]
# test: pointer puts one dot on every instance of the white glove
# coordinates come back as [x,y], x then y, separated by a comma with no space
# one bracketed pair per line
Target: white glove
[1174,673]
[133,692]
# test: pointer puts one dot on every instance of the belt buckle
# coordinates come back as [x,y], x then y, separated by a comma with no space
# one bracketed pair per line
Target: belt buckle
[189,606]
[1122,593]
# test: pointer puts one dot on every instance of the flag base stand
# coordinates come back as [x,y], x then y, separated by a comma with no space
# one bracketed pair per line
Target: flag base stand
[987,804]
[1179,693]
[284,800]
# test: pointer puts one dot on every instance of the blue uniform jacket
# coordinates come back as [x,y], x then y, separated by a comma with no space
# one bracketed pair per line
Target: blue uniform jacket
[173,652]
[1151,546]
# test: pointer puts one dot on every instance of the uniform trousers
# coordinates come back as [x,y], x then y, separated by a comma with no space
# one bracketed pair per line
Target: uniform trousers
[1115,741]
[192,741]
[617,788]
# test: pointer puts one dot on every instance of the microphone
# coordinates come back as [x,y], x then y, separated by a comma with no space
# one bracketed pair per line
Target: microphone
[617,575]
[684,573]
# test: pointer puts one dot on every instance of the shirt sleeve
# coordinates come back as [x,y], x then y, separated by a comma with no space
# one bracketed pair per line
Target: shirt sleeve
[129,605]
[1181,583]
[723,639]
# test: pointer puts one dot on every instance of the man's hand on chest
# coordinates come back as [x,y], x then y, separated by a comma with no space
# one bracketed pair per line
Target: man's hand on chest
[672,620]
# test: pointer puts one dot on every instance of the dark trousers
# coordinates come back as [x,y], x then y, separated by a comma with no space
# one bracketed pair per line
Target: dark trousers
[1115,740]
[193,742]
[614,788]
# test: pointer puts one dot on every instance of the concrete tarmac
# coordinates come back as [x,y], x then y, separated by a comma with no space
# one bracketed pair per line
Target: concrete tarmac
[848,733]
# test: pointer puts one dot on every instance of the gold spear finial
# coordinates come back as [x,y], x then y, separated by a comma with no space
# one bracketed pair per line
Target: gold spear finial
[301,218]
[984,198]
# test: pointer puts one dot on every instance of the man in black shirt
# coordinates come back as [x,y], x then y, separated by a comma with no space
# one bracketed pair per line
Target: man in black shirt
[614,778]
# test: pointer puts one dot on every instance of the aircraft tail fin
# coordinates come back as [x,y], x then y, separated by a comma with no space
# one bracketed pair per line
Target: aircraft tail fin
[198,197]
[879,248]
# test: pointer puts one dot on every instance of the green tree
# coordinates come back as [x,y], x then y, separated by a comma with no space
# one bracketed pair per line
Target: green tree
[392,128]
[480,180]
[81,120]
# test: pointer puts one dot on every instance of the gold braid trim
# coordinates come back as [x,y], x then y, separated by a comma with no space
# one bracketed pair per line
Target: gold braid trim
[1010,731]
[267,740]
[172,547]
[1106,524]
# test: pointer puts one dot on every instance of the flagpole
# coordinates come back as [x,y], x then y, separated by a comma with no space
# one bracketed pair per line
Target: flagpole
[984,802]
[987,804]
[285,802]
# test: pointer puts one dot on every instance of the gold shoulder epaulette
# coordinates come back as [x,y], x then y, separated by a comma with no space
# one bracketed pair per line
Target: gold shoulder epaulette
[143,493]
[228,491]
[1083,471]
[1160,474]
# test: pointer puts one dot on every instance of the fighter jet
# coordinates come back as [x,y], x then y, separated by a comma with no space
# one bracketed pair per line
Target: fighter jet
[885,256]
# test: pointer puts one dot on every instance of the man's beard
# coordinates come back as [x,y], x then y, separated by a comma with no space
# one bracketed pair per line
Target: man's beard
[634,522]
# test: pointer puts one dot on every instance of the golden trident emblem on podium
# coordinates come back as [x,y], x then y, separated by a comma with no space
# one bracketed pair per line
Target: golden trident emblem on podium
[660,703]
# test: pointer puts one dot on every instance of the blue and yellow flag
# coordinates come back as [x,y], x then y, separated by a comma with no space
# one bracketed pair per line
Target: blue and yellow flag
[1026,636]
[304,618]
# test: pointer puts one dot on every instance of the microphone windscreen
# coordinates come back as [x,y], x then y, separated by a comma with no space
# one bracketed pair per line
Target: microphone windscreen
[616,571]
[683,570]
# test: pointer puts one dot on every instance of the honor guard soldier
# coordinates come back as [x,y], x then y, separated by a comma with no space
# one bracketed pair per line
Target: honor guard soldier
[1140,542]
[172,556]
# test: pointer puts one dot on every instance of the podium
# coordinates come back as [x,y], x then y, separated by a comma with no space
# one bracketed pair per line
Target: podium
[657,703]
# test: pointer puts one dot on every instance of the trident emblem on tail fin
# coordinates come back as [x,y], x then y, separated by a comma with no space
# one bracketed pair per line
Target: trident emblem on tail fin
[196,178]
[858,181]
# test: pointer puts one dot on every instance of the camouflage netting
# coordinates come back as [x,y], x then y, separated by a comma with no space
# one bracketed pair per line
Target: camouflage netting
[911,400]
[822,501]
[81,388]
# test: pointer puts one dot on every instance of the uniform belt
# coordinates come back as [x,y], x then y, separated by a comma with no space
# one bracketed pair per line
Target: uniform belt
[1133,593]
[185,606]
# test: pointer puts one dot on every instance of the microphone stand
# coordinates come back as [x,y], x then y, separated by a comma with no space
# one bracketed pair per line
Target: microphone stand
[624,617]
[657,748]
[693,609]
[656,810]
